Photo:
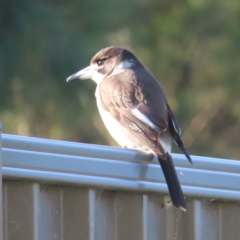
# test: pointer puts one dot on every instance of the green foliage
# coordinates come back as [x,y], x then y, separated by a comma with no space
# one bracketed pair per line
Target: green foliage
[191,46]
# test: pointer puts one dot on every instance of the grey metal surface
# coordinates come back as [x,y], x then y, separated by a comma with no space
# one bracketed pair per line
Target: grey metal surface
[43,211]
[215,178]
[71,148]
[70,191]
[1,213]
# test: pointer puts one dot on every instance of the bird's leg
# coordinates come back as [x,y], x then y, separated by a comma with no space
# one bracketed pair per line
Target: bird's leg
[151,154]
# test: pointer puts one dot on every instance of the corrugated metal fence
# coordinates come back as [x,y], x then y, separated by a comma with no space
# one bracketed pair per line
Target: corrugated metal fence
[55,190]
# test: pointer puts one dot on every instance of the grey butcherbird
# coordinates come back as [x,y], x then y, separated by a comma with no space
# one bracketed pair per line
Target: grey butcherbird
[135,110]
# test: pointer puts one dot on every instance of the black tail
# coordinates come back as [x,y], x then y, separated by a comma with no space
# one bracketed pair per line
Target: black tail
[174,186]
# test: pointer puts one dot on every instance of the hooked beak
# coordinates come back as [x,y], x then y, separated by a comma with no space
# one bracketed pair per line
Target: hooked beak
[86,73]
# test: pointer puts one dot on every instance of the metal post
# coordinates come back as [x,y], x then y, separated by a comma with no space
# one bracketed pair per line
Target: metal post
[1,213]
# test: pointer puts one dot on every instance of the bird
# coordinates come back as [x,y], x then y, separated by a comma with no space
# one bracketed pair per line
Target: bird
[135,110]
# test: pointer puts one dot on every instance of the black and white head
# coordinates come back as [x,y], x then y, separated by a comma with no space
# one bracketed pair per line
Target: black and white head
[108,61]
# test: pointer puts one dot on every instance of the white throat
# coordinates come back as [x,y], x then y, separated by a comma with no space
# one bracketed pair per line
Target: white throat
[98,77]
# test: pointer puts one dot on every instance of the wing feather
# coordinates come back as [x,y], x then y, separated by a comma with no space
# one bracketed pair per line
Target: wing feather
[134,107]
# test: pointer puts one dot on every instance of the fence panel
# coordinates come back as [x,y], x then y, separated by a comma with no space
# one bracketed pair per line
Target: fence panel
[70,191]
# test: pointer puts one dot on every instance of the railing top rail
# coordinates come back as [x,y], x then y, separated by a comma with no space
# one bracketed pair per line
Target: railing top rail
[116,168]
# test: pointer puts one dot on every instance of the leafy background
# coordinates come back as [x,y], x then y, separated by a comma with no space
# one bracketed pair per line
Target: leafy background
[191,46]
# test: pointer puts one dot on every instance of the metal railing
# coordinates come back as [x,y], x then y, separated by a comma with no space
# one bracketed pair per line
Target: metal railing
[1,213]
[66,191]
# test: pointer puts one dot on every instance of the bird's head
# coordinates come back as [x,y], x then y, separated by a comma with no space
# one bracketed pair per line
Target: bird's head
[108,61]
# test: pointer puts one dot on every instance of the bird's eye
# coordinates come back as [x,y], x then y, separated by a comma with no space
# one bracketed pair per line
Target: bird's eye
[100,62]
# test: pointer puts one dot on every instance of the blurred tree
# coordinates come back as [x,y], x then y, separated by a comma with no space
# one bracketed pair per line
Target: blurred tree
[191,46]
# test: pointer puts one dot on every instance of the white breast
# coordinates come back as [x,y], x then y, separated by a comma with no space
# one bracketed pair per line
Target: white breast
[117,131]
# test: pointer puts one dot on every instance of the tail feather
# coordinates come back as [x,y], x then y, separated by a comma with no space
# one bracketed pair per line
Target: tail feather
[174,186]
[180,144]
